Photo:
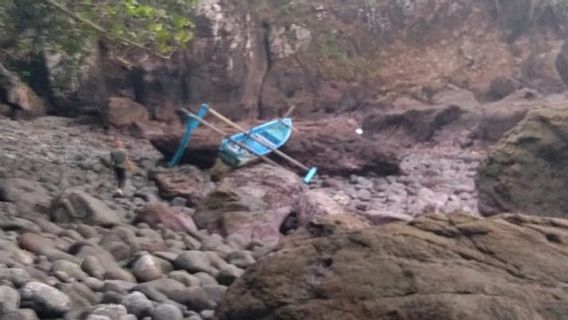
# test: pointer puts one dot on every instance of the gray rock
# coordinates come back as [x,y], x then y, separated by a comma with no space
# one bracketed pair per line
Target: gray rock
[80,294]
[27,314]
[106,261]
[14,223]
[112,297]
[184,277]
[9,299]
[178,202]
[22,314]
[229,274]
[207,314]
[138,304]
[43,245]
[211,243]
[119,286]
[30,194]
[112,311]
[87,231]
[48,226]
[44,299]
[69,268]
[10,253]
[72,234]
[205,279]
[196,299]
[224,250]
[176,246]
[98,317]
[62,276]
[215,292]
[147,268]
[241,259]
[93,267]
[364,195]
[168,287]
[166,255]
[191,243]
[216,260]
[94,283]
[238,241]
[193,261]
[167,311]
[74,205]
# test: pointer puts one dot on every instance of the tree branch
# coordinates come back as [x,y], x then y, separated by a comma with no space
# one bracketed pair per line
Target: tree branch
[101,30]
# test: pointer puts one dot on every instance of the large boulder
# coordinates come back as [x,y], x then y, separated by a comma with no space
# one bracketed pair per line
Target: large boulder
[27,194]
[437,267]
[123,112]
[252,201]
[79,206]
[526,171]
[19,96]
[415,124]
[186,182]
[171,218]
[313,143]
[76,83]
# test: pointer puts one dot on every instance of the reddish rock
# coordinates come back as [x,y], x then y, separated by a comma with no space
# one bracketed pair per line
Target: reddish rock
[123,112]
[5,110]
[186,182]
[19,96]
[147,129]
[254,202]
[158,213]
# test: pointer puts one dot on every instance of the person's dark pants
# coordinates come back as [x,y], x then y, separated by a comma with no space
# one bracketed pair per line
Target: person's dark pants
[120,176]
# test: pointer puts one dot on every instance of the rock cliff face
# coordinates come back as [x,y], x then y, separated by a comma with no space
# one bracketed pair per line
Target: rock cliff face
[254,59]
[329,56]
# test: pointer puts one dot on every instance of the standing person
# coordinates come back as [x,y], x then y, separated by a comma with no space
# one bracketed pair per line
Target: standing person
[119,159]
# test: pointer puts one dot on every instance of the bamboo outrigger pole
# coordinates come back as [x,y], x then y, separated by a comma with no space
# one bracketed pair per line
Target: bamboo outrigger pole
[310,171]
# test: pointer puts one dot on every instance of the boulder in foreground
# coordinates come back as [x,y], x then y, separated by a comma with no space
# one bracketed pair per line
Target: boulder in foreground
[437,267]
[526,171]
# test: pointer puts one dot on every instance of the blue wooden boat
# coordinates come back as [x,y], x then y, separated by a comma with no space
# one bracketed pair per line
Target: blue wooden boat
[260,140]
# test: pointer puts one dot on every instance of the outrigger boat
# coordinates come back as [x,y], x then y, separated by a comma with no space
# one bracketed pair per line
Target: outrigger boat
[242,148]
[273,134]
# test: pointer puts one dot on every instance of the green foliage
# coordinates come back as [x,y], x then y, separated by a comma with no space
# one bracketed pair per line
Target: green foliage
[30,26]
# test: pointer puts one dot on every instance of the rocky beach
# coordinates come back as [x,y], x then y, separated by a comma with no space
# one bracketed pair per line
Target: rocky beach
[438,128]
[66,236]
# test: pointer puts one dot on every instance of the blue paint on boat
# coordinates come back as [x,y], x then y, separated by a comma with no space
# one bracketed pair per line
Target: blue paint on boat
[310,175]
[191,125]
[274,133]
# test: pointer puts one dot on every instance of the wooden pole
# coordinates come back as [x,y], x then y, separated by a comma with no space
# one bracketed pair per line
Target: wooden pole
[224,134]
[278,152]
[289,112]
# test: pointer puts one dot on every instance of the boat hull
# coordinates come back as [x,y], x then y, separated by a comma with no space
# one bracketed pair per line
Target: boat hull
[272,135]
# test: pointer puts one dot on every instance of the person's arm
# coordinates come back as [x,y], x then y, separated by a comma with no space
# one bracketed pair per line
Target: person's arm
[129,164]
